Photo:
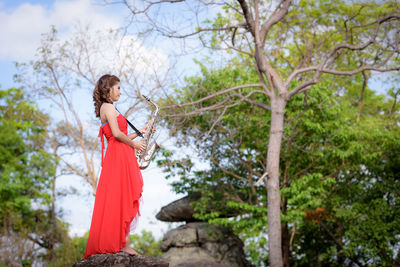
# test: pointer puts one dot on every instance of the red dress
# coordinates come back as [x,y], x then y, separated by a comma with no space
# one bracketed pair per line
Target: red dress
[116,206]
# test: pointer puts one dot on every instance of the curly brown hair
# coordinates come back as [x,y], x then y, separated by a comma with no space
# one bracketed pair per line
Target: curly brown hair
[101,92]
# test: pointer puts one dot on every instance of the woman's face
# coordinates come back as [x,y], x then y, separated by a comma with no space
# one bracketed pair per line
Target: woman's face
[115,92]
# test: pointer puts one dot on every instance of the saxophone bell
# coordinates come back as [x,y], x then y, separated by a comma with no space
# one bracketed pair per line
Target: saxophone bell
[144,161]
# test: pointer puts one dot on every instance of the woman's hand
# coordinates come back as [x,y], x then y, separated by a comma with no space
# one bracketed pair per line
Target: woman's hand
[139,146]
[144,129]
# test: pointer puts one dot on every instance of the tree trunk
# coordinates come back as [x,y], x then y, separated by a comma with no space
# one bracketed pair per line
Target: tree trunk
[397,262]
[53,219]
[285,245]
[274,201]
[340,255]
[285,228]
[360,101]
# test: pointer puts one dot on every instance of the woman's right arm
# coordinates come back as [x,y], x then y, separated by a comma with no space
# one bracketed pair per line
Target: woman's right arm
[108,110]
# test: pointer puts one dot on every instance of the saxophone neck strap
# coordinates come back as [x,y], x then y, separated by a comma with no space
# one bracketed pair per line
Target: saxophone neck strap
[130,124]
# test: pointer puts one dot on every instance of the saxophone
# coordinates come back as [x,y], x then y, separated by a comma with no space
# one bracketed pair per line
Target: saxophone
[144,157]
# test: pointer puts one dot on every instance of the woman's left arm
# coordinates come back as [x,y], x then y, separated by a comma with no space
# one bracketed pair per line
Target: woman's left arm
[134,135]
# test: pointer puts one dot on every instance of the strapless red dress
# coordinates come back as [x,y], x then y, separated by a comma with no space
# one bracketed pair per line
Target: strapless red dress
[116,206]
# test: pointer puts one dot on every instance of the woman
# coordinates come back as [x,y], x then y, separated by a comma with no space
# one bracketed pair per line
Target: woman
[116,207]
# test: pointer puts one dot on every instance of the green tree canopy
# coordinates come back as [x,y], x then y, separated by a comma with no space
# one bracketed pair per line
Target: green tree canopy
[293,47]
[25,176]
[338,176]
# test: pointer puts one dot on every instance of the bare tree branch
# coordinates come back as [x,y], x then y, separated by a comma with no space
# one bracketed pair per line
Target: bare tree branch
[149,5]
[248,16]
[322,69]
[280,12]
[213,95]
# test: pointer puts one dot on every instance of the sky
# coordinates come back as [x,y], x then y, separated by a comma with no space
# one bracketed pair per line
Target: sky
[22,24]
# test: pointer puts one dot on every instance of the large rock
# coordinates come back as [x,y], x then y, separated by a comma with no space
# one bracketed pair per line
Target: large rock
[202,243]
[188,255]
[183,236]
[203,263]
[120,259]
[179,211]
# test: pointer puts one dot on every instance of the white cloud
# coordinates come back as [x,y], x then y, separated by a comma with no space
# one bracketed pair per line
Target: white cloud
[114,52]
[21,28]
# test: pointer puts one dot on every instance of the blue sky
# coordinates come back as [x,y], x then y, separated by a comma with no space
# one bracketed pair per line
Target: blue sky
[23,22]
[10,4]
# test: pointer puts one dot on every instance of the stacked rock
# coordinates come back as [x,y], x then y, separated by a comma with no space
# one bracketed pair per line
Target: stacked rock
[198,243]
[120,259]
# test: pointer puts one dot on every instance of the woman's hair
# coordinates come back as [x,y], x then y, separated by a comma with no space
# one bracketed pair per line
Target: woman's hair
[101,93]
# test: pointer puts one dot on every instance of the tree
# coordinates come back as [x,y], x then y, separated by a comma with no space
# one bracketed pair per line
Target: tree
[26,169]
[145,244]
[327,169]
[70,251]
[292,46]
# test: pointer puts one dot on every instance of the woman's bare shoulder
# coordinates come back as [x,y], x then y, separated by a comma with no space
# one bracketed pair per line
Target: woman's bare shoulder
[106,110]
[107,106]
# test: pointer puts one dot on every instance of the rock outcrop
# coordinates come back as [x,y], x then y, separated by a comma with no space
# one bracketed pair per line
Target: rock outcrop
[202,243]
[198,243]
[120,259]
[179,211]
[182,211]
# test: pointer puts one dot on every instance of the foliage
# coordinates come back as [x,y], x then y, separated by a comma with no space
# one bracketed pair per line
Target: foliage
[344,154]
[25,172]
[294,47]
[145,244]
[309,31]
[72,249]
[333,172]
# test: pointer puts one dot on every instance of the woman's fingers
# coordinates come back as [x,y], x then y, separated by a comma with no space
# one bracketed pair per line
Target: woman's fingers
[142,146]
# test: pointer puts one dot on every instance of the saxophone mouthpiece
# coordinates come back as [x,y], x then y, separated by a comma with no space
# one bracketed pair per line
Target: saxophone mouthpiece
[139,94]
[145,97]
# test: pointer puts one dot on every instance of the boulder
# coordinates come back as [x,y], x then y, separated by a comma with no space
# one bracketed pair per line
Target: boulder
[203,263]
[187,255]
[202,243]
[180,210]
[120,259]
[182,236]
